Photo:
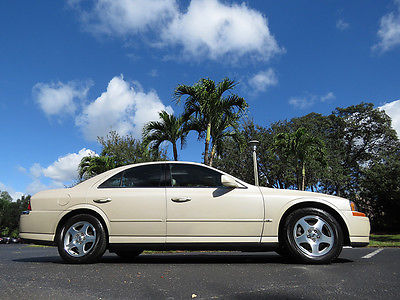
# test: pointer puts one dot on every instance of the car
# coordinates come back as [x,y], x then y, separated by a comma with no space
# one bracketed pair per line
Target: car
[6,240]
[15,240]
[189,206]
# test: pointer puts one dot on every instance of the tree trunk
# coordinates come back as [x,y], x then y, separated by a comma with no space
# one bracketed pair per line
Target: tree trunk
[207,144]
[175,151]
[303,173]
[213,149]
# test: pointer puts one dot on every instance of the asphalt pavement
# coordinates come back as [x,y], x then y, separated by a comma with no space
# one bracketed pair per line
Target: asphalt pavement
[31,272]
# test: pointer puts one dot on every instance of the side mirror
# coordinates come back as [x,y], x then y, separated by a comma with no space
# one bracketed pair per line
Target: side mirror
[228,181]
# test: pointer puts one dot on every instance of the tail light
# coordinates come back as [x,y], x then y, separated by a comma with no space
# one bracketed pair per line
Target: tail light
[26,212]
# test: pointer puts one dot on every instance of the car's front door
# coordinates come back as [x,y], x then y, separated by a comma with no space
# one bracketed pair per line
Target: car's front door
[134,202]
[200,209]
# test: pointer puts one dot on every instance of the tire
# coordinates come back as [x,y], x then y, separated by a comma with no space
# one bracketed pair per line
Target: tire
[129,254]
[312,235]
[82,239]
[282,251]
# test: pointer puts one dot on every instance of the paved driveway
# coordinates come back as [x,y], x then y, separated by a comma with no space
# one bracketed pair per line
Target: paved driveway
[38,272]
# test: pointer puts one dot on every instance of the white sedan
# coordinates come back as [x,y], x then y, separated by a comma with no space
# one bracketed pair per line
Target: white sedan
[182,205]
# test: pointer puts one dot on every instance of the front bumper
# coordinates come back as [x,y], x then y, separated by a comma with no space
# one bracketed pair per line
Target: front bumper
[359,229]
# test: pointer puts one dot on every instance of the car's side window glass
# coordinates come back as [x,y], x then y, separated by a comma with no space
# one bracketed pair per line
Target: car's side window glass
[183,175]
[113,182]
[143,176]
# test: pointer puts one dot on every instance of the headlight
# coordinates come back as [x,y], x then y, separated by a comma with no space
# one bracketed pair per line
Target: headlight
[353,206]
[355,211]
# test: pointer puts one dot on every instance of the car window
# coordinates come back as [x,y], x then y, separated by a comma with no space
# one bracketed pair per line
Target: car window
[143,176]
[113,182]
[183,175]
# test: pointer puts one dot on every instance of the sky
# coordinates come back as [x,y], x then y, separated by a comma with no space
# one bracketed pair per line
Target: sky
[74,70]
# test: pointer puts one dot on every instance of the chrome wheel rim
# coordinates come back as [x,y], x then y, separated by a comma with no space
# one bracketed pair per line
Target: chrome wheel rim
[79,239]
[313,236]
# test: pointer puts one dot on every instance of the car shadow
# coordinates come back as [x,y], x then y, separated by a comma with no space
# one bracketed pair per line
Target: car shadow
[184,258]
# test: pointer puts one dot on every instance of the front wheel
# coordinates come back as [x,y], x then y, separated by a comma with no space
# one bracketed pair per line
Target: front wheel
[82,239]
[312,235]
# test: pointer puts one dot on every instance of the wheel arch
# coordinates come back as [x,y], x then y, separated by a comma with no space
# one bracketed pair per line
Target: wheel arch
[313,204]
[84,210]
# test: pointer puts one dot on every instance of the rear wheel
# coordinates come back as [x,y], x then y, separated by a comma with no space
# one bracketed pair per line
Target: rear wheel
[82,239]
[312,235]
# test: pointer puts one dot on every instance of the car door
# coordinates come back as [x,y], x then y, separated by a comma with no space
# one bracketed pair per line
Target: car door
[134,202]
[200,209]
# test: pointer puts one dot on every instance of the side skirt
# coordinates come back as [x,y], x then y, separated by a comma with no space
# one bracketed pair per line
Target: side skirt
[245,247]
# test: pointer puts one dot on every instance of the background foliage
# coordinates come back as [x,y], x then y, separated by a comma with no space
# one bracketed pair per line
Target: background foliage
[10,212]
[352,153]
[361,159]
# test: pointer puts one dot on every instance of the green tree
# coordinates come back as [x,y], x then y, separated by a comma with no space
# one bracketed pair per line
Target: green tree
[93,165]
[206,105]
[125,150]
[118,151]
[380,189]
[169,128]
[359,135]
[9,213]
[302,148]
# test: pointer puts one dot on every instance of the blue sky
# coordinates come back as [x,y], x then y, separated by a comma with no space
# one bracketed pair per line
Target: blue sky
[73,70]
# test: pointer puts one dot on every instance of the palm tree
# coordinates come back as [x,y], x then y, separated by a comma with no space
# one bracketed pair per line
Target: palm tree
[225,127]
[302,147]
[169,128]
[94,165]
[205,104]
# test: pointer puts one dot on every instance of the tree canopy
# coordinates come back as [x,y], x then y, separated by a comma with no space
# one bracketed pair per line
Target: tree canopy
[353,153]
[211,112]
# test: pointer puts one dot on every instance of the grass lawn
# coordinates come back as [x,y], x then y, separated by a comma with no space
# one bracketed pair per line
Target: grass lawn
[384,240]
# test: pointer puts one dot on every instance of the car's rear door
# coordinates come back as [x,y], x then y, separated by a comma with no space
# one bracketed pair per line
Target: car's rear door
[134,202]
[200,209]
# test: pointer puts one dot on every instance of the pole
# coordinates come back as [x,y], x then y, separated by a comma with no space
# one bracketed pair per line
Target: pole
[254,144]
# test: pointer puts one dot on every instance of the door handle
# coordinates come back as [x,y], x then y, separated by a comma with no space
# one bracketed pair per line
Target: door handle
[181,199]
[102,200]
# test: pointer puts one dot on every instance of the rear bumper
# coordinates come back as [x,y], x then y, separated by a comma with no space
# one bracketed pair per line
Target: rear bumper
[41,223]
[37,238]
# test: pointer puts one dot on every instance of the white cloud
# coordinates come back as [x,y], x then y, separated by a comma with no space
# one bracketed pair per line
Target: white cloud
[21,169]
[389,30]
[125,17]
[60,173]
[59,98]
[206,29]
[65,168]
[153,73]
[263,79]
[342,25]
[36,170]
[14,194]
[392,109]
[327,97]
[36,186]
[303,102]
[123,107]
[212,28]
